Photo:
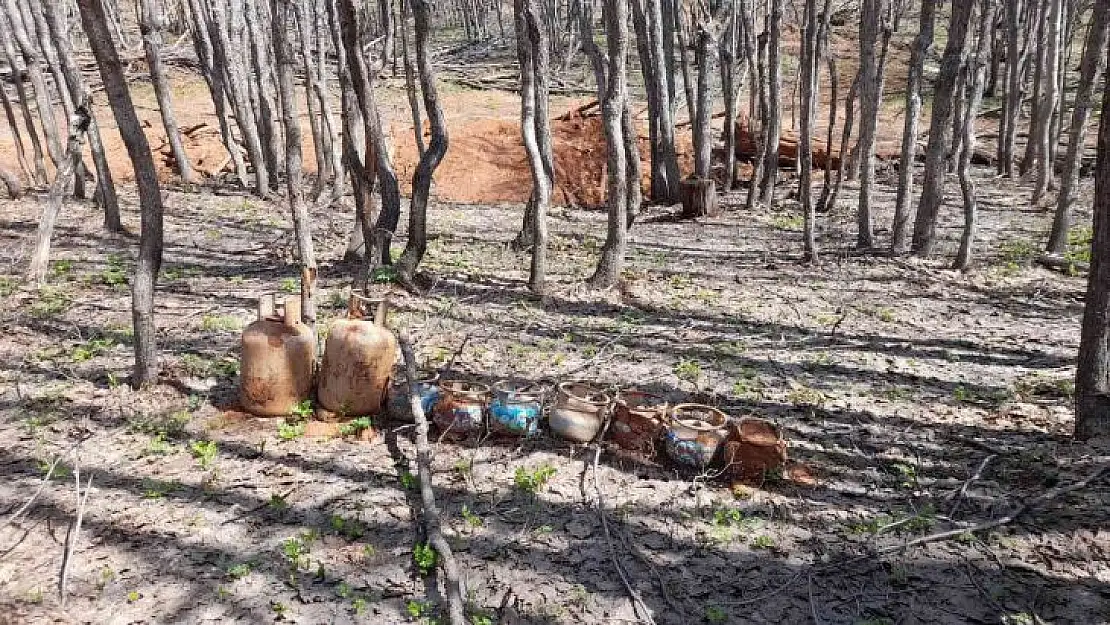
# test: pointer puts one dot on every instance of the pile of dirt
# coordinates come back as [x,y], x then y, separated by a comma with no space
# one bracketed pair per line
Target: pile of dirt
[486,162]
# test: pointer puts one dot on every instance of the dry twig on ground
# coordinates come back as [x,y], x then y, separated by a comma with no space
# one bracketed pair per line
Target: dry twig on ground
[432,525]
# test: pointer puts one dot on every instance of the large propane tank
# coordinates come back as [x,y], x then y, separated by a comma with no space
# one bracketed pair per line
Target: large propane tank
[358,361]
[278,359]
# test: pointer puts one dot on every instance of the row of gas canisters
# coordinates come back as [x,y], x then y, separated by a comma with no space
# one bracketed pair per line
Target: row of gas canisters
[278,371]
[692,435]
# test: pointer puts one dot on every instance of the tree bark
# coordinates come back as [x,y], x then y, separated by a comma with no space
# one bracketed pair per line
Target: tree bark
[805,140]
[921,45]
[532,53]
[1015,52]
[33,61]
[1091,69]
[976,74]
[1050,103]
[870,96]
[932,192]
[665,175]
[283,56]
[150,199]
[607,274]
[151,26]
[703,140]
[40,259]
[430,160]
[75,84]
[40,176]
[1092,374]
[774,109]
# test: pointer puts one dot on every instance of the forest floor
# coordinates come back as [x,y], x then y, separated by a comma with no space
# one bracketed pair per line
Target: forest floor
[895,381]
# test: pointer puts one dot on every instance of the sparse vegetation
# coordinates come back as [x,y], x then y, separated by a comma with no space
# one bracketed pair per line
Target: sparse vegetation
[532,481]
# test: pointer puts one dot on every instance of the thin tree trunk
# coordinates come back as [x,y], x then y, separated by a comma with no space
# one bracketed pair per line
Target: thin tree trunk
[40,176]
[683,57]
[214,78]
[1039,14]
[75,83]
[1050,103]
[845,138]
[615,16]
[431,158]
[976,74]
[40,259]
[151,26]
[805,139]
[870,96]
[932,192]
[283,56]
[410,81]
[1092,373]
[730,83]
[31,57]
[774,110]
[150,198]
[902,205]
[531,53]
[1091,68]
[17,136]
[703,140]
[1012,104]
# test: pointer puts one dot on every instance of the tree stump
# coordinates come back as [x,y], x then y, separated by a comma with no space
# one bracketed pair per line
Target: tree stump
[699,198]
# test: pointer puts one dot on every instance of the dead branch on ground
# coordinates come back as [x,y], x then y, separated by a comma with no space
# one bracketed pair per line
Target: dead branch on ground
[432,526]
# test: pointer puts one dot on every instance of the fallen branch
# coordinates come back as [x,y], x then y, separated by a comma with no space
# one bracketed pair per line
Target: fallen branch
[1066,265]
[638,605]
[959,495]
[1024,508]
[432,526]
[73,535]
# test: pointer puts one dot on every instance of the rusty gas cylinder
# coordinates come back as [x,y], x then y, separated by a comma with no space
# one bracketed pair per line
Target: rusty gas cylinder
[278,359]
[358,362]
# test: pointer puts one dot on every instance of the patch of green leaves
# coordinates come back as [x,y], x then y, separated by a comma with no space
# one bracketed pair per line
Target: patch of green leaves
[355,426]
[303,410]
[290,430]
[50,302]
[205,452]
[220,323]
[91,349]
[408,481]
[239,571]
[715,615]
[290,285]
[424,556]
[532,481]
[473,520]
[688,370]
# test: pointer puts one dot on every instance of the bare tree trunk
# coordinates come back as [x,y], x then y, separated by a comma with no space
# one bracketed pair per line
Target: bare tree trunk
[663,86]
[870,96]
[410,81]
[214,78]
[17,136]
[703,140]
[615,16]
[805,139]
[250,25]
[1050,103]
[976,73]
[40,259]
[75,84]
[1039,15]
[377,156]
[532,56]
[1012,101]
[151,27]
[150,198]
[1091,68]
[1092,373]
[932,192]
[683,57]
[845,137]
[15,28]
[431,158]
[774,110]
[316,116]
[235,86]
[921,45]
[283,56]
[40,176]
[730,83]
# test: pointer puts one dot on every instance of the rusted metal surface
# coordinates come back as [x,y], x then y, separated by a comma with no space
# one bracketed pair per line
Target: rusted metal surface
[358,363]
[754,448]
[461,408]
[638,422]
[278,359]
[579,412]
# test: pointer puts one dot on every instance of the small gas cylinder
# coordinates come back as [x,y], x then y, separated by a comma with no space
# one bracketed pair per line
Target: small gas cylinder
[278,359]
[358,362]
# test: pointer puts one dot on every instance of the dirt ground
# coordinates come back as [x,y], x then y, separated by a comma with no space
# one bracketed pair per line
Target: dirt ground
[895,381]
[919,398]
